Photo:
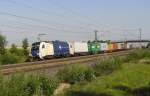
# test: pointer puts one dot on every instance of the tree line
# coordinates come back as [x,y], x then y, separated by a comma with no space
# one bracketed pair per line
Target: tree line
[13,54]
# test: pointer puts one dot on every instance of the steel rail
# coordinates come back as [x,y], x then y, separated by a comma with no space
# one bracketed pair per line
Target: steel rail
[30,66]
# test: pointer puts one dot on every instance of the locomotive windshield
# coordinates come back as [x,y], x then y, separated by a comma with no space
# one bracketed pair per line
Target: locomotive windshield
[35,46]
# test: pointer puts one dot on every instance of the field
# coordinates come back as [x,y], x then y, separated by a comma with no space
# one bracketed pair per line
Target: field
[132,79]
[111,76]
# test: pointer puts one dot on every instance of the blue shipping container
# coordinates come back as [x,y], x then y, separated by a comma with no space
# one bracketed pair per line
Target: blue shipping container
[60,48]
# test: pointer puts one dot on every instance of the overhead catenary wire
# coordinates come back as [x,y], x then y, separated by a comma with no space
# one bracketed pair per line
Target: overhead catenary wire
[39,28]
[31,7]
[45,12]
[26,18]
[72,11]
[18,27]
[135,36]
[77,14]
[47,22]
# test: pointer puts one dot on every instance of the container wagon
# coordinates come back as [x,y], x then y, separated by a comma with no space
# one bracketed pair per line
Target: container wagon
[114,46]
[103,47]
[80,48]
[121,46]
[137,44]
[110,47]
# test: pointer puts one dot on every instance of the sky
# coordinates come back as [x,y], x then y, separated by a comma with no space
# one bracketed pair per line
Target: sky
[74,20]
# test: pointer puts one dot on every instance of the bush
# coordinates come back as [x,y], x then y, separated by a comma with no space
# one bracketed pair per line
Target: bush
[138,54]
[19,52]
[9,58]
[132,80]
[13,55]
[107,65]
[48,85]
[0,60]
[30,85]
[76,73]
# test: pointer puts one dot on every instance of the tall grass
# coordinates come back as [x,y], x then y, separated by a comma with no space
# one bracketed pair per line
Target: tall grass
[76,73]
[41,85]
[132,80]
[107,65]
[138,54]
[27,85]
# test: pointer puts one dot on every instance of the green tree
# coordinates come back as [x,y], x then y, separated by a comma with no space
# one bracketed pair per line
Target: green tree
[3,43]
[13,48]
[25,46]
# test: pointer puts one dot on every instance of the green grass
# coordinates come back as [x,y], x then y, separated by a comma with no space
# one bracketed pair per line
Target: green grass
[107,65]
[138,54]
[131,80]
[114,76]
[76,73]
[27,85]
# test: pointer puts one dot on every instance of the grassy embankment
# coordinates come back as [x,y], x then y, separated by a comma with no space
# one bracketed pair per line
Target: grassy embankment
[115,76]
[128,76]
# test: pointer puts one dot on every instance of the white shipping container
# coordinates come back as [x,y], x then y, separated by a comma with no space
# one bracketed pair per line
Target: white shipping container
[80,47]
[144,44]
[103,46]
[121,45]
[136,44]
[129,45]
[133,45]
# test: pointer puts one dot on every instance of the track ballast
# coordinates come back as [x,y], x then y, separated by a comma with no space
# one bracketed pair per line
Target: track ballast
[48,64]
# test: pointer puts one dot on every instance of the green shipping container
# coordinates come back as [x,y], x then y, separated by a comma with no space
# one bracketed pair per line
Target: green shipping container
[93,47]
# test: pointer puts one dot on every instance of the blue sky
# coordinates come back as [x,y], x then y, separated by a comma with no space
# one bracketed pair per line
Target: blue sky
[74,20]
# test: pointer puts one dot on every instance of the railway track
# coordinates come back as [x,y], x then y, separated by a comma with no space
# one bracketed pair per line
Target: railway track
[38,65]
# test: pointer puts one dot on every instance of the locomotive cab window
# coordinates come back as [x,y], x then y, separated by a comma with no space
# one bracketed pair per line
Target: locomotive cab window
[43,46]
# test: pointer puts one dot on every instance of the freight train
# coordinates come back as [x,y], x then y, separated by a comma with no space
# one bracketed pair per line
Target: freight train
[52,49]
